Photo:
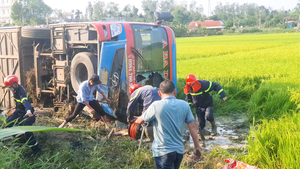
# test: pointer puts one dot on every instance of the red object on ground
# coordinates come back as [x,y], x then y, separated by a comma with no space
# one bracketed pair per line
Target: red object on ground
[132,130]
[237,165]
[10,112]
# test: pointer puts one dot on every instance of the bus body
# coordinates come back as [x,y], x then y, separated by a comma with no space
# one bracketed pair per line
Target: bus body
[64,55]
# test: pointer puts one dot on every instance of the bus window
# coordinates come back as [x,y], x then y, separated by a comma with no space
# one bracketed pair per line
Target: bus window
[150,44]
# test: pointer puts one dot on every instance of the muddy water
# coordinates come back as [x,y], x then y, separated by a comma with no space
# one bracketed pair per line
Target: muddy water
[232,132]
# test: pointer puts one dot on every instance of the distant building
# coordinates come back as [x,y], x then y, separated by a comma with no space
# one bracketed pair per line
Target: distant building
[290,22]
[209,24]
[5,11]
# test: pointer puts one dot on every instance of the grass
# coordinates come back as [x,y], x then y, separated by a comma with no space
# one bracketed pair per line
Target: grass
[275,143]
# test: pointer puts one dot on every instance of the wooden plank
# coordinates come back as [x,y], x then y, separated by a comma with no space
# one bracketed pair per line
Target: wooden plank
[1,38]
[2,73]
[3,97]
[2,45]
[9,56]
[10,30]
[15,67]
[12,43]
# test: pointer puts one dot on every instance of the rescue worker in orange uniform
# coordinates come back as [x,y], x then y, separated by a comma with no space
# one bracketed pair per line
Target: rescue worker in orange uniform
[197,94]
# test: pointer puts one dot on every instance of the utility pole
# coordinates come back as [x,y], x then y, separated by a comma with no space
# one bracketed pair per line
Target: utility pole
[209,8]
[298,23]
[259,20]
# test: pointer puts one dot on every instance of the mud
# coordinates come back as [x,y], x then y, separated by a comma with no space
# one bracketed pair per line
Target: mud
[232,133]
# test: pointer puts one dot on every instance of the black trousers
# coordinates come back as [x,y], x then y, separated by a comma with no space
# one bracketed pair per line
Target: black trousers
[204,114]
[18,119]
[79,107]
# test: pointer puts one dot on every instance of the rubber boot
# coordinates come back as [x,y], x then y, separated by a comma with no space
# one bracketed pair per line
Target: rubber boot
[202,134]
[213,128]
[35,151]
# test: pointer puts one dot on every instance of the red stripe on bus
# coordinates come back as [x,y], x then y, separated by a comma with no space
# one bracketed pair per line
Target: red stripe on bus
[170,40]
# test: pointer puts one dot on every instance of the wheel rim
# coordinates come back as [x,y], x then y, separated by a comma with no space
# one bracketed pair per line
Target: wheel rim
[81,73]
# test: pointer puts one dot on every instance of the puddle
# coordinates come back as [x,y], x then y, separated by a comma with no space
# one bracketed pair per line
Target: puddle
[232,132]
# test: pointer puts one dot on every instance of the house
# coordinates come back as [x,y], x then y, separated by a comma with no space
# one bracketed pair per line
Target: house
[209,24]
[5,11]
[290,22]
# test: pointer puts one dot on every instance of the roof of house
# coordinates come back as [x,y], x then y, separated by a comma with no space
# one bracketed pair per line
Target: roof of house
[194,24]
[206,23]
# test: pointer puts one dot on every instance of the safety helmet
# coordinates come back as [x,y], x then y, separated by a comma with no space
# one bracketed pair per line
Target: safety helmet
[134,87]
[10,80]
[190,79]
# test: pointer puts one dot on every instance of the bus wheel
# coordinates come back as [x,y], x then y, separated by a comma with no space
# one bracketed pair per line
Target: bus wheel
[83,66]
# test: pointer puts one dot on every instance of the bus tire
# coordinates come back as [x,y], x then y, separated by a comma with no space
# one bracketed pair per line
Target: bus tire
[36,33]
[83,66]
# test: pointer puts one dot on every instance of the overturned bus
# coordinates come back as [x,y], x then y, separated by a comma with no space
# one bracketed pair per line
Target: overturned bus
[64,55]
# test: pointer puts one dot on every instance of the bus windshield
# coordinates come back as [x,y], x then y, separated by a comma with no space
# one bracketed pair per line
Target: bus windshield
[150,45]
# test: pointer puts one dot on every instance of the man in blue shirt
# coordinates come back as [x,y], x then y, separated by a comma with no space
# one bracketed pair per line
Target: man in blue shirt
[169,116]
[85,98]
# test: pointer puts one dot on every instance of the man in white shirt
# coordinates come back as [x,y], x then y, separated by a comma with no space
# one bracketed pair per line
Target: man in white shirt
[85,98]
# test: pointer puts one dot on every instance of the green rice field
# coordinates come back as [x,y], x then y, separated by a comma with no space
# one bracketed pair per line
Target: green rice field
[261,75]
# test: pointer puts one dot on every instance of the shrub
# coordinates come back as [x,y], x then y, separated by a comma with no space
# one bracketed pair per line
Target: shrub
[230,31]
[6,24]
[179,30]
[250,30]
[219,33]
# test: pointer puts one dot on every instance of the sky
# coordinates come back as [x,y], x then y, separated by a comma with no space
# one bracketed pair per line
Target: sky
[68,5]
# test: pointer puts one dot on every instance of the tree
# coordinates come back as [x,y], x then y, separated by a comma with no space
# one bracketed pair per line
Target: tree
[149,7]
[135,11]
[58,16]
[17,13]
[32,12]
[77,14]
[166,5]
[98,10]
[181,16]
[112,10]
[89,11]
[130,13]
[196,11]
